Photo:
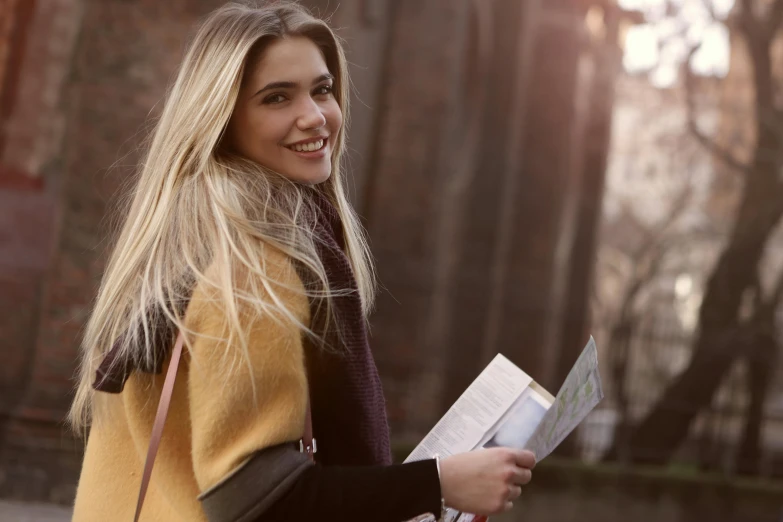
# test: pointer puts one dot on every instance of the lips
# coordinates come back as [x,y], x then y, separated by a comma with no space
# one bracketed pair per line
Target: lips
[309,145]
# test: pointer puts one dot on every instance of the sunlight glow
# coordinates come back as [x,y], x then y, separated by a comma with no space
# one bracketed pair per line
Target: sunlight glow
[660,46]
[641,49]
[712,58]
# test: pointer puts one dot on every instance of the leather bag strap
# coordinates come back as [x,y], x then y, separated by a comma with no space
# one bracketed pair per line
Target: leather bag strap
[160,420]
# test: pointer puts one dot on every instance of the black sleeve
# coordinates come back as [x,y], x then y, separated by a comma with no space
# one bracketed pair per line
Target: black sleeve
[358,494]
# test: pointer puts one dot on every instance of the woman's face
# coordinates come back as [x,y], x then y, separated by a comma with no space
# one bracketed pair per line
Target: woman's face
[286,117]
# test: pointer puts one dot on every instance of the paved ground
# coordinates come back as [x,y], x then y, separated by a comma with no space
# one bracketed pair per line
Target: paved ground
[21,512]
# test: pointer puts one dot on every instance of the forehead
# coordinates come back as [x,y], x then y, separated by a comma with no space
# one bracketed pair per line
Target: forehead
[295,59]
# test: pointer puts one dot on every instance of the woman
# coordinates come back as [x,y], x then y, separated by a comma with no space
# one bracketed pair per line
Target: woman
[239,235]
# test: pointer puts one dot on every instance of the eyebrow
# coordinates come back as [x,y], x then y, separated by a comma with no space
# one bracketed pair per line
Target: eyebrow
[291,85]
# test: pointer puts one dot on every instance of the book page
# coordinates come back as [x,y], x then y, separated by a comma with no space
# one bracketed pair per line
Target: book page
[477,410]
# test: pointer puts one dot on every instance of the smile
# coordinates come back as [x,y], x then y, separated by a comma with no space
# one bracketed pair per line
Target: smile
[312,146]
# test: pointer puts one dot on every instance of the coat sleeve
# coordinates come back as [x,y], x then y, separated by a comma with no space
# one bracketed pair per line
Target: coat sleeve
[246,417]
[243,403]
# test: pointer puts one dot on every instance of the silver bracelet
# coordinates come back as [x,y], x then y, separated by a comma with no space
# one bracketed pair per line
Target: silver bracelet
[440,481]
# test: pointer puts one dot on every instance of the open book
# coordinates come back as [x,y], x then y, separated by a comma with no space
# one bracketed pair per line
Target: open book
[505,407]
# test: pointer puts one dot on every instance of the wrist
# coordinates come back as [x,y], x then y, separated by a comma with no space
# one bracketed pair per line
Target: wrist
[445,473]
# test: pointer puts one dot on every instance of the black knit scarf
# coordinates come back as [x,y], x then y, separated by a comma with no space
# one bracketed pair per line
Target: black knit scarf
[347,402]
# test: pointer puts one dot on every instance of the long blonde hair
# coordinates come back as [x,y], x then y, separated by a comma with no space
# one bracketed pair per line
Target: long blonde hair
[196,205]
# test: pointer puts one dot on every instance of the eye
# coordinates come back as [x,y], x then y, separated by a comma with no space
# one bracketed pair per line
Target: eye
[323,90]
[273,99]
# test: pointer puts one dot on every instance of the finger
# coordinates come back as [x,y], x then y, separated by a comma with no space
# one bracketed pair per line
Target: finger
[507,507]
[522,476]
[526,459]
[514,492]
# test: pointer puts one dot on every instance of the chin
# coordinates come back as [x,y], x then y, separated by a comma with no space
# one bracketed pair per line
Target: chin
[313,178]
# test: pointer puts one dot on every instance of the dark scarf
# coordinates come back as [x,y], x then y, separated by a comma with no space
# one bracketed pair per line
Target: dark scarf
[347,402]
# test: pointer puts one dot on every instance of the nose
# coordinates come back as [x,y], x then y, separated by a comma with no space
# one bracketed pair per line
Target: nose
[311,116]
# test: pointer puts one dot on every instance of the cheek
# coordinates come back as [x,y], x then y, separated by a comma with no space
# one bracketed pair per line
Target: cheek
[334,116]
[270,130]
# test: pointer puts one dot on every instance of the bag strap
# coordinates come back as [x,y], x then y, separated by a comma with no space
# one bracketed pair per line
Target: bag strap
[307,444]
[160,420]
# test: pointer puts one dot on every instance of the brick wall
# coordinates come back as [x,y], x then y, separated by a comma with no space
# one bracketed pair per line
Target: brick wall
[37,52]
[37,47]
[8,21]
[126,55]
[33,128]
[114,88]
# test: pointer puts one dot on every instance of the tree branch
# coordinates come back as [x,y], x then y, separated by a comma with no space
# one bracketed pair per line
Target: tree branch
[715,149]
[748,23]
[708,143]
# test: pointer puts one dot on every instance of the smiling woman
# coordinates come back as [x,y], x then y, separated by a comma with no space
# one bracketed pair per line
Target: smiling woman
[240,244]
[286,111]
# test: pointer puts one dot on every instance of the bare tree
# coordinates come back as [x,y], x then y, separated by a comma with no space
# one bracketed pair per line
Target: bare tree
[647,261]
[761,351]
[659,434]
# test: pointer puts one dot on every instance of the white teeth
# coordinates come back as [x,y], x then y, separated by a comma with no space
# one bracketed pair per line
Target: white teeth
[309,147]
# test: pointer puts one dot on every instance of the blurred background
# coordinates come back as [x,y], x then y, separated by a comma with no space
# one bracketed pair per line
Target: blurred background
[530,172]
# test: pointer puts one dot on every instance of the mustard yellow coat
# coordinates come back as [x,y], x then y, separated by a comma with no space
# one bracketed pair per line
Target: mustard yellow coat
[215,423]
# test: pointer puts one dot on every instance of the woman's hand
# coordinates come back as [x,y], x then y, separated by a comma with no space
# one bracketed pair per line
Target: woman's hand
[486,481]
